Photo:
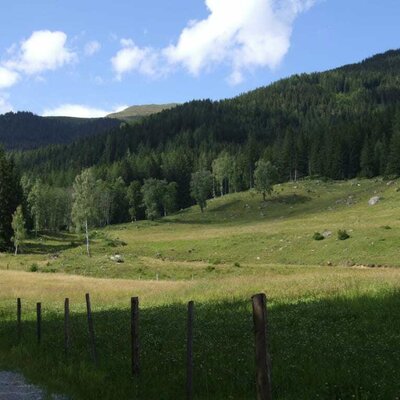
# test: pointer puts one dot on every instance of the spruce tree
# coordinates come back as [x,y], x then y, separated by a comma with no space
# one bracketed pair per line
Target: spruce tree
[10,198]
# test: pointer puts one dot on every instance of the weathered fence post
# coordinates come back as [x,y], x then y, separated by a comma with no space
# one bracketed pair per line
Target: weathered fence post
[39,322]
[19,312]
[92,342]
[135,346]
[66,326]
[263,359]
[189,360]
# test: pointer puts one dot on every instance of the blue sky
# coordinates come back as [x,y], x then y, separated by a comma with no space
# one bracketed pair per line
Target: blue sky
[87,58]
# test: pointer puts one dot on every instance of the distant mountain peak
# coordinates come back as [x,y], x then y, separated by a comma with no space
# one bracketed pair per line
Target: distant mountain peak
[137,112]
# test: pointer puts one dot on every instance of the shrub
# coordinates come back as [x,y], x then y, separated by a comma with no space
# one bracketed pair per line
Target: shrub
[342,234]
[318,236]
[237,264]
[210,268]
[34,268]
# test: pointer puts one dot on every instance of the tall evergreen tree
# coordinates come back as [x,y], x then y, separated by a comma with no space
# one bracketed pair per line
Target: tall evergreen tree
[10,198]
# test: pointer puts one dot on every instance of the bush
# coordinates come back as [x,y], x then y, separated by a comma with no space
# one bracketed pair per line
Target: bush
[342,234]
[34,268]
[210,268]
[236,264]
[318,236]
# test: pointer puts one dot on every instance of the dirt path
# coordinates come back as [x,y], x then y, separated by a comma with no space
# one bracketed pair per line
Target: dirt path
[13,386]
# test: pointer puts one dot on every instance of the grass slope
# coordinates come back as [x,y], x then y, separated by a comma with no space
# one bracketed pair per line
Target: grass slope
[238,235]
[135,113]
[335,330]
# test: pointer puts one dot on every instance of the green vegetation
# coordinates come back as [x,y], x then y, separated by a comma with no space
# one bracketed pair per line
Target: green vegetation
[327,319]
[236,228]
[136,113]
[329,300]
[339,124]
[318,236]
[18,226]
[343,235]
[24,130]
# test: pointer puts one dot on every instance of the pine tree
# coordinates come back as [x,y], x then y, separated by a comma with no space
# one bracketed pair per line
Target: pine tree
[10,197]
[367,160]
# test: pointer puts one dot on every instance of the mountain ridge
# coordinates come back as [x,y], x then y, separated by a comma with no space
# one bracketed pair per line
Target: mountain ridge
[137,112]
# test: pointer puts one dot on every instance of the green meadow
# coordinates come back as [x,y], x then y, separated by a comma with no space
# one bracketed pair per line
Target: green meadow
[333,304]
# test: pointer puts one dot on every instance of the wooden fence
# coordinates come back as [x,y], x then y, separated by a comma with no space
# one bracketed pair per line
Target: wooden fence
[262,355]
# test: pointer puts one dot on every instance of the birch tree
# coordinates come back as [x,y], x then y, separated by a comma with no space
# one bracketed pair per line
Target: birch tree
[18,226]
[200,187]
[264,177]
[85,204]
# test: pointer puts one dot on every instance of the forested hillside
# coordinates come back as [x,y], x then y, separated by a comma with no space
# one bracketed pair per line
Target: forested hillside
[337,124]
[24,130]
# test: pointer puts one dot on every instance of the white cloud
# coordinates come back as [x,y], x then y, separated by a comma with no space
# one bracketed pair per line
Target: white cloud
[42,51]
[133,58]
[8,77]
[5,106]
[92,48]
[242,34]
[81,111]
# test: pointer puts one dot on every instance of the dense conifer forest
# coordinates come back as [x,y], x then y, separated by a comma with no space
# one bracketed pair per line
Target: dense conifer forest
[337,124]
[24,130]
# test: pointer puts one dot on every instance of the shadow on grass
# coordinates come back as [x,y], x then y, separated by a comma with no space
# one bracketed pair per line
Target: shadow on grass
[328,349]
[235,205]
[45,244]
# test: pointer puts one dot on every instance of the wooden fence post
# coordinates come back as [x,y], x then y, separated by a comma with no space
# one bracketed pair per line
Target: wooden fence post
[135,345]
[189,360]
[39,322]
[92,342]
[263,359]
[19,312]
[66,326]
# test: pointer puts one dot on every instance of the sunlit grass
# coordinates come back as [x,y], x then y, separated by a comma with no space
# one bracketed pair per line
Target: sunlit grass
[334,321]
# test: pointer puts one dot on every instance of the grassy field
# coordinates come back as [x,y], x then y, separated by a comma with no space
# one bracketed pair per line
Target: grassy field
[333,304]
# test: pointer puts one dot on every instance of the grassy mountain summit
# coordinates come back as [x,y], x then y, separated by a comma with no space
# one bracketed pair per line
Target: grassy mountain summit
[135,113]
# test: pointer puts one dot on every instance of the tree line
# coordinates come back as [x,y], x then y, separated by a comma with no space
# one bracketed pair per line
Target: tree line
[36,207]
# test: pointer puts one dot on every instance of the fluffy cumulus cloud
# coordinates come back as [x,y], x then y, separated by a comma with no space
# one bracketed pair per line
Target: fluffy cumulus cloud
[92,48]
[42,51]
[80,111]
[8,77]
[133,58]
[242,35]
